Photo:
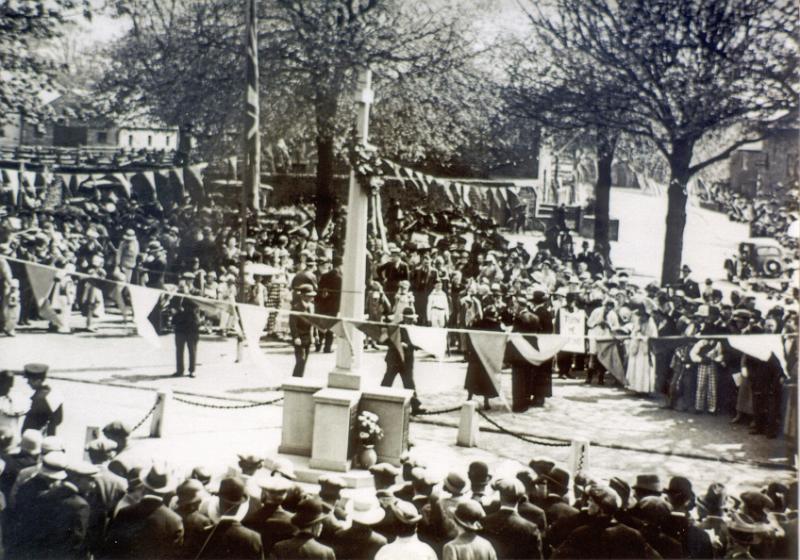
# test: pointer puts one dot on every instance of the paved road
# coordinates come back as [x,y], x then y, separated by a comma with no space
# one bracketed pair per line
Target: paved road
[111,375]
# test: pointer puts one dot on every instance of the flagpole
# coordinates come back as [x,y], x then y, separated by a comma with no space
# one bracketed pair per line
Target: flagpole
[251,171]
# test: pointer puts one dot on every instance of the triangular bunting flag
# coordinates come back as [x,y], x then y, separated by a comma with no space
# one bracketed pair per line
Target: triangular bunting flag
[490,348]
[29,178]
[760,347]
[11,179]
[123,180]
[548,346]
[80,179]
[150,177]
[429,339]
[321,322]
[193,180]
[254,319]
[465,195]
[41,279]
[377,332]
[177,175]
[66,178]
[424,180]
[143,300]
[608,354]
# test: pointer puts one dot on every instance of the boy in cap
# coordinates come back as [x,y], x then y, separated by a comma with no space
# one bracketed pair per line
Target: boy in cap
[46,412]
[300,327]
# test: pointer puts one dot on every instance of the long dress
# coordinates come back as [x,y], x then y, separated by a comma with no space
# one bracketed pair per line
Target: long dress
[640,375]
[478,381]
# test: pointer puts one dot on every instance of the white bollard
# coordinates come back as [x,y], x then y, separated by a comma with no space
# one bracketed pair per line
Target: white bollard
[158,423]
[579,456]
[468,425]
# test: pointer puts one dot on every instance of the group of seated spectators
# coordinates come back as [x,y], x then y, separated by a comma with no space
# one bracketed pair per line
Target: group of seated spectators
[121,503]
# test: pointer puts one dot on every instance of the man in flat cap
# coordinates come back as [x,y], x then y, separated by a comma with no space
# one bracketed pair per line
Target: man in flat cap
[46,412]
[271,521]
[330,492]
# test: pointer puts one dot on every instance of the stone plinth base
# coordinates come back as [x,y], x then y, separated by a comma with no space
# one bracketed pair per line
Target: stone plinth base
[298,416]
[393,407]
[334,421]
[354,478]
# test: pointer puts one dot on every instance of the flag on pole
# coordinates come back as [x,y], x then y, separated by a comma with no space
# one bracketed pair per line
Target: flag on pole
[252,175]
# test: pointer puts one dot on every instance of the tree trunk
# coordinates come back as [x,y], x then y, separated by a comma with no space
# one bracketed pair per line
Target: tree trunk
[606,145]
[325,108]
[325,195]
[679,161]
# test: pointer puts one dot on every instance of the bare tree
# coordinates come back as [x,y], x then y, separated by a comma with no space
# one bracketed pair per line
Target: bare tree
[685,69]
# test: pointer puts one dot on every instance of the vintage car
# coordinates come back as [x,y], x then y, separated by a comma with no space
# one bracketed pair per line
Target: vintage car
[758,257]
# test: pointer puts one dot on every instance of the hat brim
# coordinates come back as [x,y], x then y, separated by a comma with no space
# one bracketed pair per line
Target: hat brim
[452,489]
[474,526]
[303,524]
[53,475]
[370,517]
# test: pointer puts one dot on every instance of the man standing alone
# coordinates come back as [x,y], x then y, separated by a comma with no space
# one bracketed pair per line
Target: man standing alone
[300,327]
[329,297]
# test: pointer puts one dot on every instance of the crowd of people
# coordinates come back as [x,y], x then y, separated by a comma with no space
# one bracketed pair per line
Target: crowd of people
[119,502]
[461,273]
[767,216]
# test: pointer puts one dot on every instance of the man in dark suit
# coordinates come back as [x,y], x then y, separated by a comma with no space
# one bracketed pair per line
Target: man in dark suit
[689,286]
[308,520]
[511,535]
[542,380]
[392,272]
[47,410]
[300,327]
[271,521]
[601,536]
[62,529]
[329,297]
[423,277]
[186,323]
[147,529]
[402,364]
[522,371]
[229,538]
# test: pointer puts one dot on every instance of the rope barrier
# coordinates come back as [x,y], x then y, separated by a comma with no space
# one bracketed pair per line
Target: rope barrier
[437,412]
[146,417]
[520,436]
[226,407]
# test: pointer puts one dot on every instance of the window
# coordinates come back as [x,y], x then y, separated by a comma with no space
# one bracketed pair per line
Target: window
[130,139]
[149,140]
[2,131]
[102,137]
[166,141]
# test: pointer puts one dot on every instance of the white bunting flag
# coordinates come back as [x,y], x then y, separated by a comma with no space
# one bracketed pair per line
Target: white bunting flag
[143,300]
[432,340]
[254,319]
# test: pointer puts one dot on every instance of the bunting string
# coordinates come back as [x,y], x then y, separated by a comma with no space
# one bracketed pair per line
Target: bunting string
[323,320]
